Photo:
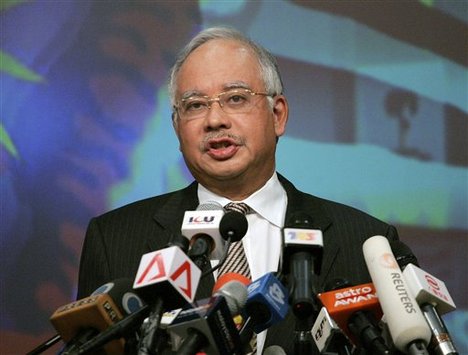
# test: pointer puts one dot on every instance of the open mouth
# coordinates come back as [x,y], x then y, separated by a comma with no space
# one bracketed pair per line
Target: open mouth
[221,148]
[221,143]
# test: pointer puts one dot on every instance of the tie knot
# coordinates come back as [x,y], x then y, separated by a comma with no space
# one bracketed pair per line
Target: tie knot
[238,207]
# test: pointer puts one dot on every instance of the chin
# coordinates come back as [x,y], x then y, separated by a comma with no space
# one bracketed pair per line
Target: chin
[224,169]
[225,175]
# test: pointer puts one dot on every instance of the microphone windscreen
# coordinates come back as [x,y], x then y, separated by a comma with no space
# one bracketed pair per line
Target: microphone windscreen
[233,225]
[235,294]
[209,206]
[113,288]
[122,293]
[403,254]
[178,240]
[228,277]
[274,350]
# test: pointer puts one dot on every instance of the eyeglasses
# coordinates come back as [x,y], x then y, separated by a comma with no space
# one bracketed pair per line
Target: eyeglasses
[233,101]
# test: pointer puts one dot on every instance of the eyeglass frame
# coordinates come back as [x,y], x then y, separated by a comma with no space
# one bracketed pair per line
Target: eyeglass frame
[216,98]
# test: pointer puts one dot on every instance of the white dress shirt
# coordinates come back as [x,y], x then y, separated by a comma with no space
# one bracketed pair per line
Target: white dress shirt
[262,242]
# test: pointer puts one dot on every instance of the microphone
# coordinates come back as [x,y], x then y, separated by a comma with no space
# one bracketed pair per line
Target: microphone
[178,240]
[267,302]
[167,272]
[356,311]
[406,324]
[301,261]
[208,228]
[432,296]
[238,316]
[79,321]
[228,277]
[201,227]
[266,305]
[328,335]
[302,258]
[209,324]
[171,278]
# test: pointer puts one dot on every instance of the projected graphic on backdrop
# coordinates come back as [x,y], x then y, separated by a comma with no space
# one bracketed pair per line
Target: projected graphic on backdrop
[378,120]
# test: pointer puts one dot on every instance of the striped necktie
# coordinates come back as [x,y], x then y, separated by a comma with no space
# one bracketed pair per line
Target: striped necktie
[236,260]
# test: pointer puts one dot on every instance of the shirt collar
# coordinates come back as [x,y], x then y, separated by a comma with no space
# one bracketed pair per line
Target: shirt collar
[269,202]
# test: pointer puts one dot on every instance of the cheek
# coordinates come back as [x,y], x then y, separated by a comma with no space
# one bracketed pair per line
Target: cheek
[189,141]
[263,130]
[260,137]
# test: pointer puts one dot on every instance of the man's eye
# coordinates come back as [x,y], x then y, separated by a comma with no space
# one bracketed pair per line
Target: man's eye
[195,105]
[236,99]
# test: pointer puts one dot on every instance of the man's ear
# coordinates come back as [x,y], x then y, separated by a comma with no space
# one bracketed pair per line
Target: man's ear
[175,123]
[280,114]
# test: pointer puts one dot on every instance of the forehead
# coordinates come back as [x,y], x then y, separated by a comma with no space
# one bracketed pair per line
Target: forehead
[217,64]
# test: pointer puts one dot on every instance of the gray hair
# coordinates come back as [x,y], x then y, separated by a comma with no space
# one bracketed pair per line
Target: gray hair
[268,65]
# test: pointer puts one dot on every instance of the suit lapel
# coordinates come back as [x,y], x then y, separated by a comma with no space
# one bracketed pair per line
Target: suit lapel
[170,214]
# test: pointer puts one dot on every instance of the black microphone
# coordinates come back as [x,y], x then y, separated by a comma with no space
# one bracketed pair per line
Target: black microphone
[301,262]
[209,325]
[431,295]
[233,226]
[178,240]
[302,259]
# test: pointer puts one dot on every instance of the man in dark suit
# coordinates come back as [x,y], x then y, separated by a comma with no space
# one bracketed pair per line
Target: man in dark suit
[229,111]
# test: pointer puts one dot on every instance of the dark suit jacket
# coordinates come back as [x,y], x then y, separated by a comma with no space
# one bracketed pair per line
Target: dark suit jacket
[116,241]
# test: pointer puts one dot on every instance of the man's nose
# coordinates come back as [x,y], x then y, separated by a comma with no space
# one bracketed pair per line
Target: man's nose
[216,118]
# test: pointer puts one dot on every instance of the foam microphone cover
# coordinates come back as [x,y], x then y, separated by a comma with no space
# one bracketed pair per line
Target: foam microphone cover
[228,277]
[235,294]
[233,225]
[403,254]
[274,350]
[404,318]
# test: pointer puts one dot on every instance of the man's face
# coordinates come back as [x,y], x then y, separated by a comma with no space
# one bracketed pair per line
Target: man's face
[228,147]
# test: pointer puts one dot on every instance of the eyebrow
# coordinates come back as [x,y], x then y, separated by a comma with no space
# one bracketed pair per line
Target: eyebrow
[236,85]
[229,86]
[191,93]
